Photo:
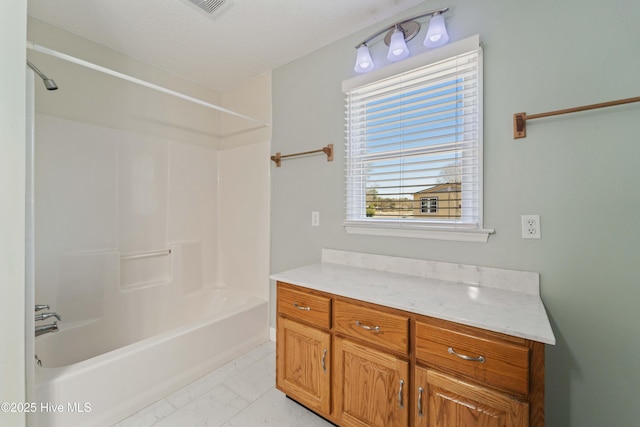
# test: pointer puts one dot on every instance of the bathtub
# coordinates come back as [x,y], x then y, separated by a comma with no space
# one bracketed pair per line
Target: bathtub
[93,376]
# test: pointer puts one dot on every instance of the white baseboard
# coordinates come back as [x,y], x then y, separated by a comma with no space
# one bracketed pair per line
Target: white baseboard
[272,334]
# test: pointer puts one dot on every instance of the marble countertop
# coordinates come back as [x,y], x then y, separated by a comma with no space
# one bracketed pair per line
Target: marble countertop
[474,303]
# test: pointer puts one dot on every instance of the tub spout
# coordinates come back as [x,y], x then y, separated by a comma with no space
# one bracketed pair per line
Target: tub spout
[45,329]
[44,316]
[42,307]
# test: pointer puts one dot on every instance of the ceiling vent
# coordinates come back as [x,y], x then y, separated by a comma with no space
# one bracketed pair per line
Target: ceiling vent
[206,6]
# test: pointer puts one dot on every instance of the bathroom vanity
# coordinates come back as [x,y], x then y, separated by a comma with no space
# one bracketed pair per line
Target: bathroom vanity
[368,340]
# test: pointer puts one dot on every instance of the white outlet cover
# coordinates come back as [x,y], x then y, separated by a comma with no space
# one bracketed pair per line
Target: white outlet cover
[531,227]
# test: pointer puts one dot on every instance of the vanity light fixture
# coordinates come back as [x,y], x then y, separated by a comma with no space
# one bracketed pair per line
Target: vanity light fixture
[364,62]
[437,32]
[398,48]
[397,36]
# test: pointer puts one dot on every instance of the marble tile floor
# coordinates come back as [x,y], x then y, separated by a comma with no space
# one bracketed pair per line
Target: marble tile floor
[241,393]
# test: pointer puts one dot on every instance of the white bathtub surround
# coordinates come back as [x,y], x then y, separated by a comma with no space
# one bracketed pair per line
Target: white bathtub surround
[499,300]
[103,317]
[101,190]
[134,329]
[243,234]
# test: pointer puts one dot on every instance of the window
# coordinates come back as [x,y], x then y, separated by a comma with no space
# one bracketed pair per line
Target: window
[429,205]
[413,138]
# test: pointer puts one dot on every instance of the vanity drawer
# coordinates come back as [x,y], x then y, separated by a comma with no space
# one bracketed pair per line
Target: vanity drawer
[390,331]
[500,364]
[303,305]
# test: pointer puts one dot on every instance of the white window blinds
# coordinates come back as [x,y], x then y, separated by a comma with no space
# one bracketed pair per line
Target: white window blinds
[413,137]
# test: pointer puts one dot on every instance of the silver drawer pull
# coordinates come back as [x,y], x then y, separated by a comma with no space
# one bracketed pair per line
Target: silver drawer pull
[420,391]
[368,328]
[299,307]
[400,401]
[468,358]
[324,355]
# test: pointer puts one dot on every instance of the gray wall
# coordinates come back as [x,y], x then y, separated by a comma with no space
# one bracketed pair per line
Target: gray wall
[579,172]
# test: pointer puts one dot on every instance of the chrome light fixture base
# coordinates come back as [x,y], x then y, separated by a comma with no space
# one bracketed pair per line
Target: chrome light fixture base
[409,29]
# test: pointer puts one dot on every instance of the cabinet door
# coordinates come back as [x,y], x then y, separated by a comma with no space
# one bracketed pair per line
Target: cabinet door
[371,387]
[443,401]
[304,364]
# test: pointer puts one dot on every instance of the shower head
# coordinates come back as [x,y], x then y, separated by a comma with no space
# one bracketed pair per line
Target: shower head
[48,83]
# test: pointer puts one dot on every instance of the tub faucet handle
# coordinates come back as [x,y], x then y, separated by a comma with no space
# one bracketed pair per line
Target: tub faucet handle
[42,307]
[45,329]
[43,316]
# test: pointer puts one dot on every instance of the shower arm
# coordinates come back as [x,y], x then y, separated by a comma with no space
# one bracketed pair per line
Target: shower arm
[37,71]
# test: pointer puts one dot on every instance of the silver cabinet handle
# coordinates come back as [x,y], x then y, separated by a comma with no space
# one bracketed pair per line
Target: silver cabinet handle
[400,400]
[299,307]
[468,358]
[368,328]
[324,355]
[420,390]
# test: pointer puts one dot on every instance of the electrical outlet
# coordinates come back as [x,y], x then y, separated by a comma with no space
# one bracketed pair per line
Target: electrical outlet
[531,226]
[315,219]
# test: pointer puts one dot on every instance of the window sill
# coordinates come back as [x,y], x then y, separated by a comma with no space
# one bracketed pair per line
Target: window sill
[473,235]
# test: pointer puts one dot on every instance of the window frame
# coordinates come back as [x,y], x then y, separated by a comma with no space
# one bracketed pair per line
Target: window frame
[398,227]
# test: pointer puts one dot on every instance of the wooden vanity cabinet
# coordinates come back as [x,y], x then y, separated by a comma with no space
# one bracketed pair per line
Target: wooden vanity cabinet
[361,364]
[466,376]
[445,401]
[303,348]
[371,376]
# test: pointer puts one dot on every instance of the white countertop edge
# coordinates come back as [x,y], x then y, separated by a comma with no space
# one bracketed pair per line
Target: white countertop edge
[523,314]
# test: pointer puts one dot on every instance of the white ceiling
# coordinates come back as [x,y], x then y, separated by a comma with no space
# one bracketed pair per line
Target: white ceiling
[241,40]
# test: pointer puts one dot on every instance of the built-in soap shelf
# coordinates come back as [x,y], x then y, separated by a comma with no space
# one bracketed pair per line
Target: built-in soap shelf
[143,269]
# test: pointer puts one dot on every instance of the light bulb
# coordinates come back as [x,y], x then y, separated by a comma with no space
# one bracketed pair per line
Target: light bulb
[397,47]
[437,32]
[364,62]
